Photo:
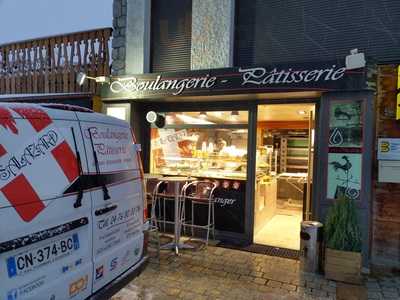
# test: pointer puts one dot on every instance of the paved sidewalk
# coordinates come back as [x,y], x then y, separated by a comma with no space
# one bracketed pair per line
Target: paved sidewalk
[218,273]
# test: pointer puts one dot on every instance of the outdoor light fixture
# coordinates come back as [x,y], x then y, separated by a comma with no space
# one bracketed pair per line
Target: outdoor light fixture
[81,78]
[154,118]
[355,60]
[151,116]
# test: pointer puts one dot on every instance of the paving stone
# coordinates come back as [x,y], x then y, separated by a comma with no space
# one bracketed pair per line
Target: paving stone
[390,290]
[259,280]
[274,283]
[328,288]
[246,278]
[374,295]
[387,294]
[289,287]
[312,284]
[173,292]
[372,285]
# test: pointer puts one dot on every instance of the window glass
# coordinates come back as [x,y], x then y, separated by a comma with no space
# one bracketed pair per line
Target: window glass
[203,144]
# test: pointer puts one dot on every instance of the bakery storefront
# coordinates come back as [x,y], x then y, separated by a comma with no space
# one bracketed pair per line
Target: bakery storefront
[281,142]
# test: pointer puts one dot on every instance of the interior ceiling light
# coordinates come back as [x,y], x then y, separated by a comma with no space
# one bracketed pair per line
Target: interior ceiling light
[302,112]
[218,114]
[234,115]
[203,114]
[240,131]
[191,120]
[169,119]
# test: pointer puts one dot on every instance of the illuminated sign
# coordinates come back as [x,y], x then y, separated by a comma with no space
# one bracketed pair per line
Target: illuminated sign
[325,76]
[398,107]
[388,149]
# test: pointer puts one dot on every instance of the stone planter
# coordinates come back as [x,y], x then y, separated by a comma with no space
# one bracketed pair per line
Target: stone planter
[343,266]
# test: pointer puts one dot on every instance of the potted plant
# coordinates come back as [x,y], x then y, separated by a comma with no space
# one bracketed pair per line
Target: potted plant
[343,242]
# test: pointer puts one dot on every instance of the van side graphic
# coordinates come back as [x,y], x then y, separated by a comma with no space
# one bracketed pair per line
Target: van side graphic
[14,184]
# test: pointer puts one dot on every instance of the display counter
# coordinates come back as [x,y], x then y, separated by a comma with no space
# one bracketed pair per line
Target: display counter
[208,166]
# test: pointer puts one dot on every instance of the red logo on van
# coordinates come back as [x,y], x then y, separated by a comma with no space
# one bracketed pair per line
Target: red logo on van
[7,121]
[19,191]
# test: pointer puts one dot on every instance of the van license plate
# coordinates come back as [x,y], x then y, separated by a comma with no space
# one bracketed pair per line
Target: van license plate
[30,260]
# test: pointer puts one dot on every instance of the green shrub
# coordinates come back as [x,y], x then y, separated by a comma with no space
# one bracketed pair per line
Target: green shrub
[342,231]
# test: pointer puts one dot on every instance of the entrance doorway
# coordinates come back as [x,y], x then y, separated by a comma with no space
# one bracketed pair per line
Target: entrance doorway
[285,141]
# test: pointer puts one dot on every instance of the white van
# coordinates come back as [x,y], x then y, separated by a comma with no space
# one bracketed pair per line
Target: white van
[71,203]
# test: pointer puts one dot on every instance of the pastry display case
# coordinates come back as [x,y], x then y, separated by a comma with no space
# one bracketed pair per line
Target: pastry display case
[214,146]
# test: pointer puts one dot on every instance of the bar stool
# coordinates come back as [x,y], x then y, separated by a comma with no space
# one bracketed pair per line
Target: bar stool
[200,193]
[165,192]
[150,183]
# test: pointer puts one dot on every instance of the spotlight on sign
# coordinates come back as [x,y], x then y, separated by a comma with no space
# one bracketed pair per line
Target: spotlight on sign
[82,77]
[154,118]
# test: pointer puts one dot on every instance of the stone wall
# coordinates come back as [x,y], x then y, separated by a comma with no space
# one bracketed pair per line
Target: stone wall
[119,37]
[131,37]
[386,198]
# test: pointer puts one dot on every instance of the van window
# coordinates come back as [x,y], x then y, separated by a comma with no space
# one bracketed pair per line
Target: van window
[113,146]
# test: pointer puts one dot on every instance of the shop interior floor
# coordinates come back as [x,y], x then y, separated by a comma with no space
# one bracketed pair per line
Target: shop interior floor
[283,230]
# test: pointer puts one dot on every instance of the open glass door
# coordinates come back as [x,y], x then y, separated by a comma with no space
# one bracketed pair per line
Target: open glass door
[285,138]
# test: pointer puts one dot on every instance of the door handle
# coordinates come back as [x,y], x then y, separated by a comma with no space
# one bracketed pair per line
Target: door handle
[105,210]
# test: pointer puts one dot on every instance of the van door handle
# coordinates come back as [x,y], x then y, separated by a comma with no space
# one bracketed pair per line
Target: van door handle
[105,210]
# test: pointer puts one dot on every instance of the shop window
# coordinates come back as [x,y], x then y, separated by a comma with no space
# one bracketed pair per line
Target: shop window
[201,144]
[120,111]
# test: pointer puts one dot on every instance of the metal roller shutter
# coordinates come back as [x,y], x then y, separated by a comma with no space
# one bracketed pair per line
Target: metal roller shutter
[171,33]
[274,31]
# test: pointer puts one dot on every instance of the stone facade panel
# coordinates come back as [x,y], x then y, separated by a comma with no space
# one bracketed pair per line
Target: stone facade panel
[121,21]
[119,40]
[212,38]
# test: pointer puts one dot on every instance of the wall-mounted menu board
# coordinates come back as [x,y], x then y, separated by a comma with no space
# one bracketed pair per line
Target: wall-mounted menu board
[345,149]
